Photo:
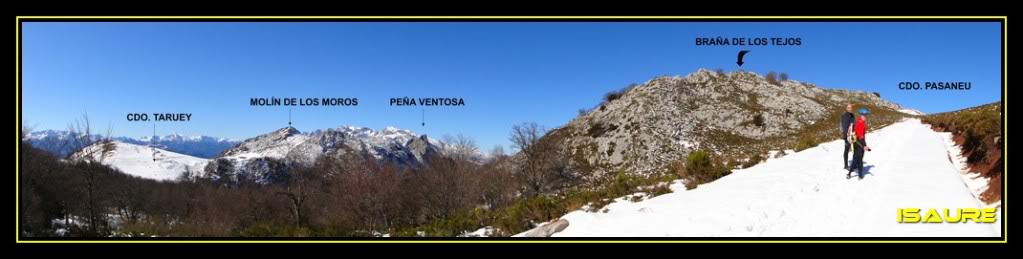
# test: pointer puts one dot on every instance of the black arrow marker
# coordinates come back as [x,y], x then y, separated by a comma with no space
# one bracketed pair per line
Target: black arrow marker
[741,54]
[424,117]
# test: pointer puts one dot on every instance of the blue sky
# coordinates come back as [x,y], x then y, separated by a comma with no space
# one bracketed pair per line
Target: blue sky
[508,73]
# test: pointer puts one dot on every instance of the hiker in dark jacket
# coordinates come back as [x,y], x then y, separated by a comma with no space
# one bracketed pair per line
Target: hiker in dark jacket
[844,127]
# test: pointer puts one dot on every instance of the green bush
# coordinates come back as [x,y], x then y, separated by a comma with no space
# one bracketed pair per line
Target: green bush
[691,185]
[700,168]
[267,229]
[457,224]
[754,160]
[732,164]
[699,163]
[623,184]
[612,96]
[677,168]
[660,189]
[519,217]
[758,120]
[404,232]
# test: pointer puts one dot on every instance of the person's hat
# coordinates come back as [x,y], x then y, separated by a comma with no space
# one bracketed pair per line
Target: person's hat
[864,111]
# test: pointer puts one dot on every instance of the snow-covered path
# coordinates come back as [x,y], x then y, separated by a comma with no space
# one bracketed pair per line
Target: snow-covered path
[807,194]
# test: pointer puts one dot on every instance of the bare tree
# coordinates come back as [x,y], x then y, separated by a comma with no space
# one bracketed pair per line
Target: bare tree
[446,186]
[463,148]
[128,198]
[542,164]
[81,139]
[497,152]
[772,77]
[24,132]
[300,187]
[358,193]
[497,184]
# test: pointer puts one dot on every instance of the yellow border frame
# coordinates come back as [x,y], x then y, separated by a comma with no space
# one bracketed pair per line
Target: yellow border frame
[1005,82]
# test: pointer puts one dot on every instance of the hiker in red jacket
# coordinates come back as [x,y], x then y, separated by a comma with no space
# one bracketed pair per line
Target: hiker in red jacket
[860,131]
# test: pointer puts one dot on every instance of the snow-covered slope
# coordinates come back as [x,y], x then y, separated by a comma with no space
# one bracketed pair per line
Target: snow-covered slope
[145,162]
[807,194]
[276,144]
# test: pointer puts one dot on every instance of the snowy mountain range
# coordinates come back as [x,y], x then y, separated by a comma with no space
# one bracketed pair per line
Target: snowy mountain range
[912,112]
[265,157]
[198,146]
[52,141]
[261,158]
